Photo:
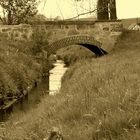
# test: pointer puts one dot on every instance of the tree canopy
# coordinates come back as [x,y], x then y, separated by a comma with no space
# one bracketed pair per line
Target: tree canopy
[18,11]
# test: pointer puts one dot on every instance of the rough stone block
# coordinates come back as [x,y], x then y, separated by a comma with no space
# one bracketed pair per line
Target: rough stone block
[73,32]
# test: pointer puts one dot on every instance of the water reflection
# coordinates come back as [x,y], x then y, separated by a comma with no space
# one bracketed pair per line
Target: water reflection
[51,84]
[55,77]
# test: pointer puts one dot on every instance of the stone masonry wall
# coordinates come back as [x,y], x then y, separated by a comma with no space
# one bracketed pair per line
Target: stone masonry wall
[105,32]
[15,32]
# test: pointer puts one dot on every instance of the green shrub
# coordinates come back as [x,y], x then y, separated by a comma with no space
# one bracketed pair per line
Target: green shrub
[22,63]
[39,39]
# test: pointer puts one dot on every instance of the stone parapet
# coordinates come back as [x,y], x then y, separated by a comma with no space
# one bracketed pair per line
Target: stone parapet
[105,32]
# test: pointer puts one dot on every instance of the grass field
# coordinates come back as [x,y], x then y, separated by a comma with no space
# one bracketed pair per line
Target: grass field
[99,100]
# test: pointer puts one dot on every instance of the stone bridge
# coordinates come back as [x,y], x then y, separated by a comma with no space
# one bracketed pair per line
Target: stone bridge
[86,41]
[97,36]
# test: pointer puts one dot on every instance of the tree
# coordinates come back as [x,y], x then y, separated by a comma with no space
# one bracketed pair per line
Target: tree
[37,19]
[18,11]
[102,10]
[106,9]
[112,7]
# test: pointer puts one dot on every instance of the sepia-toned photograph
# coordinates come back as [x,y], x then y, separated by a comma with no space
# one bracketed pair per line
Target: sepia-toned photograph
[69,69]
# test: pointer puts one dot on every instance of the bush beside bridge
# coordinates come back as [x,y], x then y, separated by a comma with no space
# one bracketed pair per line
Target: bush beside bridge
[21,65]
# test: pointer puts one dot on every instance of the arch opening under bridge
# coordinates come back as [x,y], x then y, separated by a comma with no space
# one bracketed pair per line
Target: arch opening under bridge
[88,42]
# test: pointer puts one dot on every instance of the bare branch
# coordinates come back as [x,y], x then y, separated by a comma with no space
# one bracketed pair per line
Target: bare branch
[89,12]
[18,11]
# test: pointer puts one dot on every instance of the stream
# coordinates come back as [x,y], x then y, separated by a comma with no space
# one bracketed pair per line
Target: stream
[54,84]
[55,77]
[36,94]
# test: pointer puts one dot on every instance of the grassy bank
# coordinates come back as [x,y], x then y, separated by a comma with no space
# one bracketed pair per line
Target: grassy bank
[74,53]
[99,100]
[22,63]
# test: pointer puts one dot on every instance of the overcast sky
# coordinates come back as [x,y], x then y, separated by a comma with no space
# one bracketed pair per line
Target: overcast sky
[68,8]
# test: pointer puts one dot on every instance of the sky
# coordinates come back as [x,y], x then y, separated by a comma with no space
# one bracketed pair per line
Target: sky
[69,8]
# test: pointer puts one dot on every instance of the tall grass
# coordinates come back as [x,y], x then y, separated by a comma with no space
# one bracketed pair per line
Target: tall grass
[74,53]
[21,64]
[99,100]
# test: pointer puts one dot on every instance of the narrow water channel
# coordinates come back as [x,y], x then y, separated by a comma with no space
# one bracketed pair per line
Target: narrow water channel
[35,95]
[55,77]
[54,82]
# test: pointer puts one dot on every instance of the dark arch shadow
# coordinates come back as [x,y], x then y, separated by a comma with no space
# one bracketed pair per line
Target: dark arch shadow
[88,42]
[97,50]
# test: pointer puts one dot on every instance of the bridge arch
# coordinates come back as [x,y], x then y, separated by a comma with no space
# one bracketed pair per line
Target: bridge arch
[88,42]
